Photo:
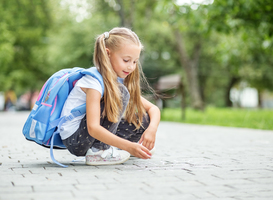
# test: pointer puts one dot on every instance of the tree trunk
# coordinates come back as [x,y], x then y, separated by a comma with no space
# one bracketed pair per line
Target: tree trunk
[259,98]
[121,13]
[202,80]
[232,82]
[191,68]
[183,100]
[126,16]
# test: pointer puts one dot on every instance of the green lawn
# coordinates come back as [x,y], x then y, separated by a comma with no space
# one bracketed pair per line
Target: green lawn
[248,118]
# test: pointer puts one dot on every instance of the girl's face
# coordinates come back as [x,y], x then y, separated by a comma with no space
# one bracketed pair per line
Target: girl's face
[124,59]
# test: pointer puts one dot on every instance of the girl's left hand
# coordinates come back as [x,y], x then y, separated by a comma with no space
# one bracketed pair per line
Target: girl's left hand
[148,138]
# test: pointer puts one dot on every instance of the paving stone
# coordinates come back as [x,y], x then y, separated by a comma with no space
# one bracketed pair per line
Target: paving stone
[191,162]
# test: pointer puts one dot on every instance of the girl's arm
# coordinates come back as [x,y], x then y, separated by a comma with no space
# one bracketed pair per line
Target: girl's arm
[100,133]
[148,137]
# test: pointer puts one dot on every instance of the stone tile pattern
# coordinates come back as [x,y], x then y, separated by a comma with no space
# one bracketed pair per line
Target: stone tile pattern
[191,162]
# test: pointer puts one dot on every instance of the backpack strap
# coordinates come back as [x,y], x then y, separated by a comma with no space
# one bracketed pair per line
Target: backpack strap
[78,111]
[51,151]
[92,71]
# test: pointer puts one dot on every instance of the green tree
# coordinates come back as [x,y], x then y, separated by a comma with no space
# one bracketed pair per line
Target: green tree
[190,31]
[23,39]
[251,22]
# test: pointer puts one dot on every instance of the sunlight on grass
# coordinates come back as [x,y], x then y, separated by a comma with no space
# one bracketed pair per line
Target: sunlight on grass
[247,118]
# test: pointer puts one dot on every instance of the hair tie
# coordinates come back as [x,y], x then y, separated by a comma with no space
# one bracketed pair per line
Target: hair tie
[106,35]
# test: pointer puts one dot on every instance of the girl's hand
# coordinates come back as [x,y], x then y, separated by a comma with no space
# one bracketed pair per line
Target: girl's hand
[139,151]
[148,138]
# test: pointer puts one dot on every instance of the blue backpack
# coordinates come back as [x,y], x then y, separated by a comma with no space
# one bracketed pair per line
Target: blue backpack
[44,122]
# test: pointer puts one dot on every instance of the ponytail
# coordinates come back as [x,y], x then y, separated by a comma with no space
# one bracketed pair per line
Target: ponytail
[112,100]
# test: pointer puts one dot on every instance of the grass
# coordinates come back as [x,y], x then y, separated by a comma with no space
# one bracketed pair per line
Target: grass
[231,117]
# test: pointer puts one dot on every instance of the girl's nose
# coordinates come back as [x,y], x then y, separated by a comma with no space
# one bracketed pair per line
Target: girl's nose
[130,66]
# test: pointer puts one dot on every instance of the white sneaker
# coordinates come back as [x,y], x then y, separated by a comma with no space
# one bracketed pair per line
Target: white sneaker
[111,156]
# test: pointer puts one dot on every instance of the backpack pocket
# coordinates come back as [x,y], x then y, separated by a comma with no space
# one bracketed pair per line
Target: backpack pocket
[35,127]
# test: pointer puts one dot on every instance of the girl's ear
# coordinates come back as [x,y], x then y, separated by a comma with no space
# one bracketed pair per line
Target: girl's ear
[108,52]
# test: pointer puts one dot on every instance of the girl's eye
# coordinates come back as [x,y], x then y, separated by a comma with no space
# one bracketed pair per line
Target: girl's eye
[126,60]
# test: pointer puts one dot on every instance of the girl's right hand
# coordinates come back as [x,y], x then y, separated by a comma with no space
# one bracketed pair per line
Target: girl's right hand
[139,151]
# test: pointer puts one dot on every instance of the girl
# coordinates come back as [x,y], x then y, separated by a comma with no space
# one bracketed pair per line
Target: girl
[118,117]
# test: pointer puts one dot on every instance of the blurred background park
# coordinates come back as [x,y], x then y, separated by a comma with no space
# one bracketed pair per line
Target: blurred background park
[211,62]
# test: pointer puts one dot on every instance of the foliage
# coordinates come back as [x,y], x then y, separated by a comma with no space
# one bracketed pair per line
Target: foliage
[23,26]
[251,22]
[226,15]
[226,41]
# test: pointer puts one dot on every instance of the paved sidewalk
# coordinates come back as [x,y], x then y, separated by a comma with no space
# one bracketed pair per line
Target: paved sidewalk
[191,162]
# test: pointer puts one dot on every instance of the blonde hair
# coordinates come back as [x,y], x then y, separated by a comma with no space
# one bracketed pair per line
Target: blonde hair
[112,96]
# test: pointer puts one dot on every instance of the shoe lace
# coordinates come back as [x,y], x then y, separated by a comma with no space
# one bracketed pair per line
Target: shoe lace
[112,150]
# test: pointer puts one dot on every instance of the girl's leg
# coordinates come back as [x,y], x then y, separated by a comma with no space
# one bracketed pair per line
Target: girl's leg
[129,132]
[80,142]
